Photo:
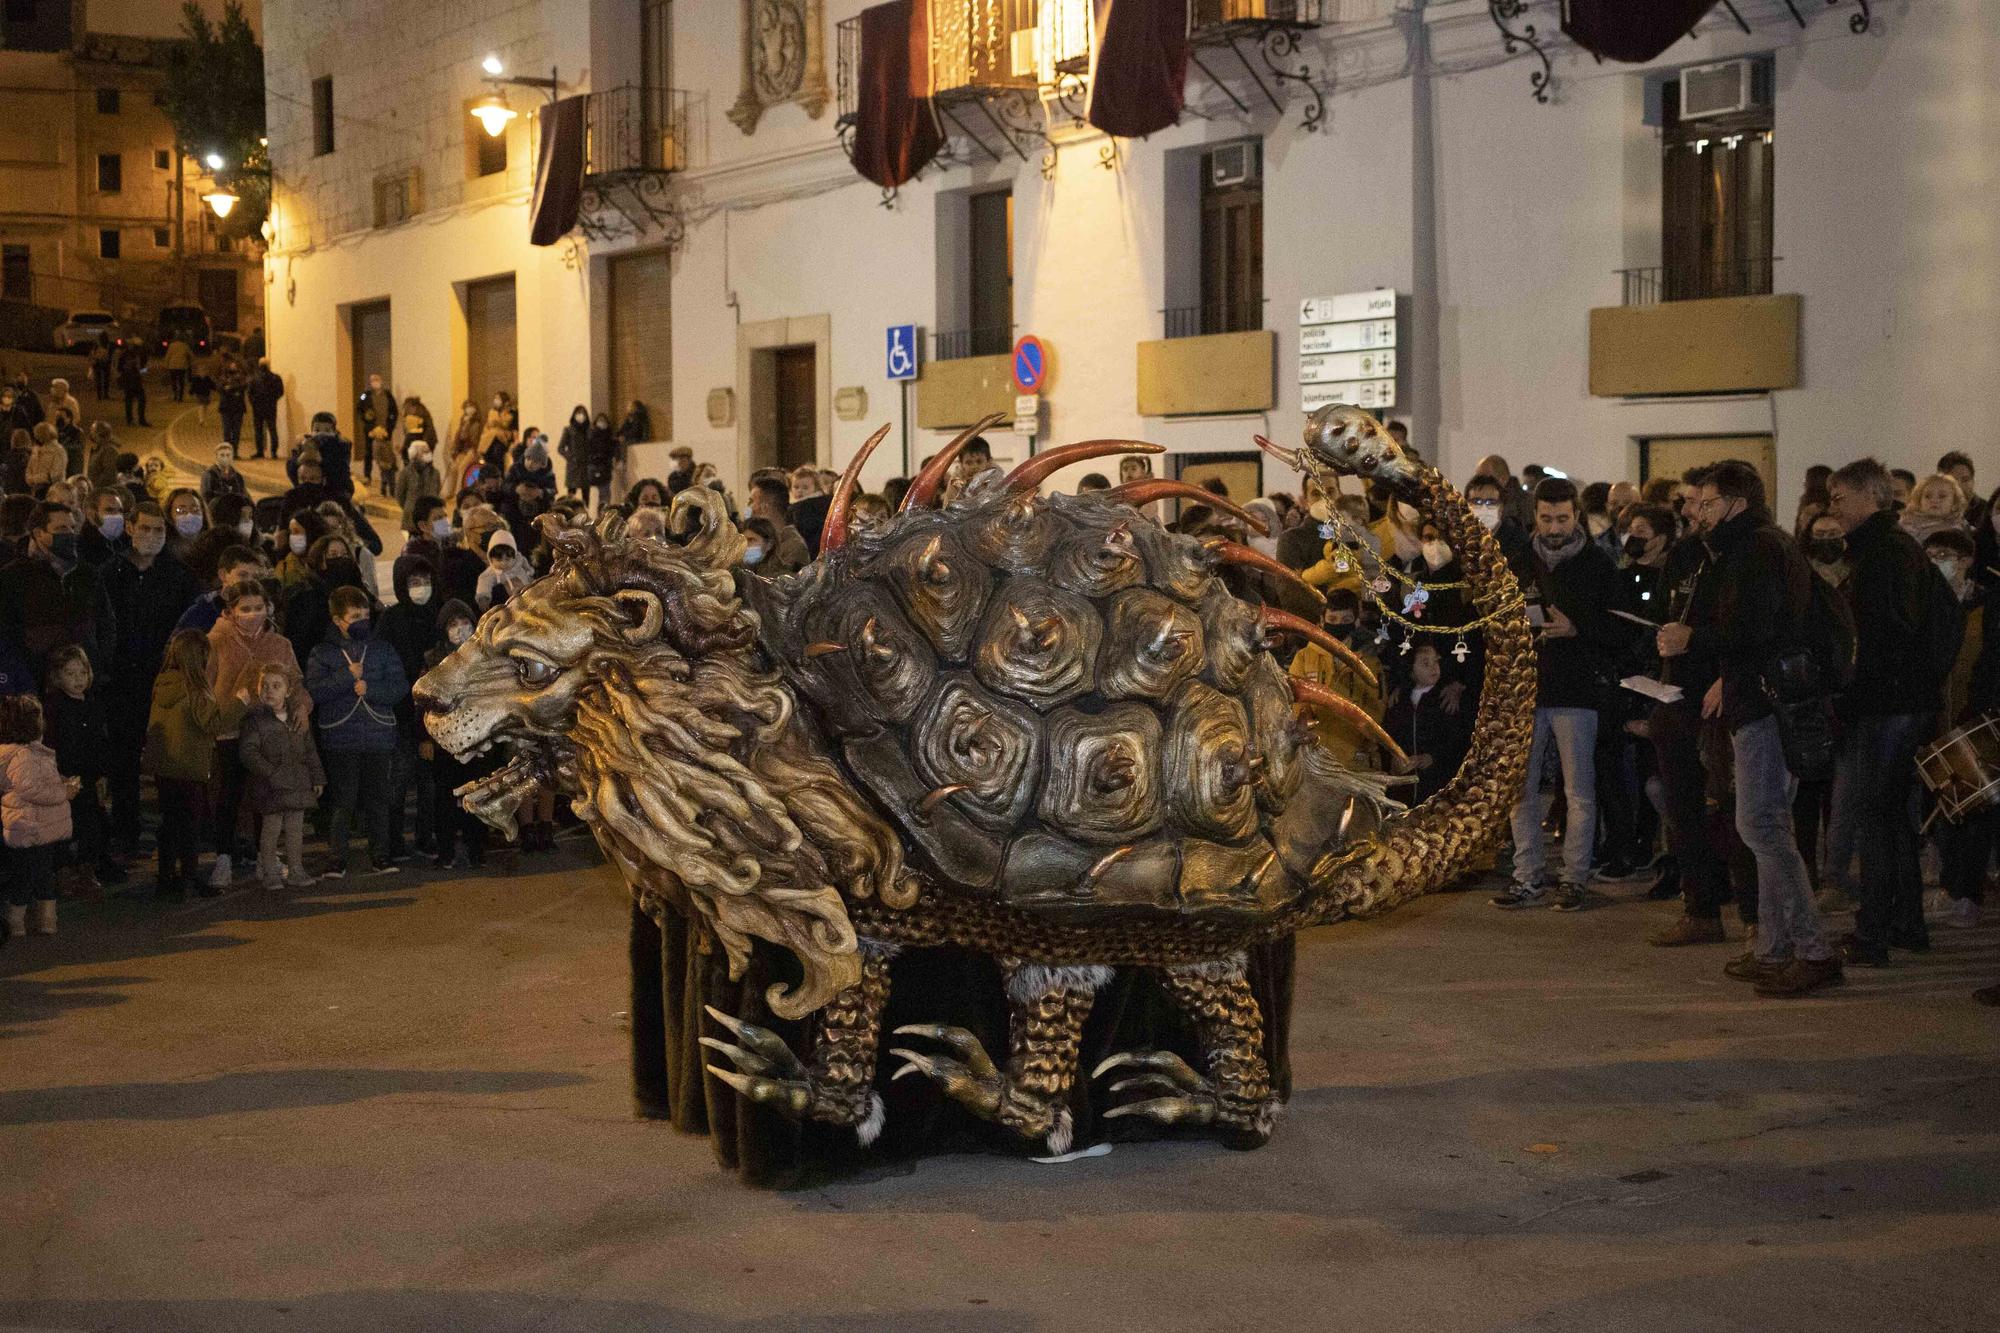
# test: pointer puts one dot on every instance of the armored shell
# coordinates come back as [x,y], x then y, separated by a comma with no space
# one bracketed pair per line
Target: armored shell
[1057,701]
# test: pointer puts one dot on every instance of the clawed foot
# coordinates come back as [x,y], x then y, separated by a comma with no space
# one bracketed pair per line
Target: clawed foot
[1187,1098]
[971,1080]
[766,1070]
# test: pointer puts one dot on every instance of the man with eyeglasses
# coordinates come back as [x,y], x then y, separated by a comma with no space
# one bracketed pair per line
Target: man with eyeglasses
[1762,593]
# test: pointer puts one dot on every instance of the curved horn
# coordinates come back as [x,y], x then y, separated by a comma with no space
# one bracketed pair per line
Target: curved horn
[1273,618]
[1148,489]
[1315,695]
[833,534]
[1236,553]
[930,481]
[1289,457]
[1038,469]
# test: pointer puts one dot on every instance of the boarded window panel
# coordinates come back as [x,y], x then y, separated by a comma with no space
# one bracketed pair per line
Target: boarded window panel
[490,365]
[642,337]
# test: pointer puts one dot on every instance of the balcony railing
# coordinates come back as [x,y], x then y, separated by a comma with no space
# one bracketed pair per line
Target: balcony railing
[1697,282]
[981,45]
[1303,13]
[846,69]
[1194,321]
[957,344]
[633,130]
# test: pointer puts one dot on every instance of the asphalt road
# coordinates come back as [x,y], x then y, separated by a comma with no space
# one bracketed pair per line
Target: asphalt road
[404,1104]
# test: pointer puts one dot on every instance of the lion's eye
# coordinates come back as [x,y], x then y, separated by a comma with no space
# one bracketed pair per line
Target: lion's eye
[534,671]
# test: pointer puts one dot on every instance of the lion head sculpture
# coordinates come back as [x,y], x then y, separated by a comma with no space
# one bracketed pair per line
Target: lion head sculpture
[630,678]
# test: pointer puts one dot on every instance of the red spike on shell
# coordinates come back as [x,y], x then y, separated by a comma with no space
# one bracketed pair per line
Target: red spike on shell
[1315,695]
[1274,618]
[1235,553]
[1039,468]
[930,481]
[833,535]
[1148,489]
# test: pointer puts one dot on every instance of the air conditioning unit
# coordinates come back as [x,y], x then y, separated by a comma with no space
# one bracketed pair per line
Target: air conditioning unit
[1235,164]
[1021,47]
[1715,90]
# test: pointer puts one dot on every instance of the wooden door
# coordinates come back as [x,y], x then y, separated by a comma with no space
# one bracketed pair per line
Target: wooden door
[641,318]
[1671,455]
[368,327]
[796,398]
[490,340]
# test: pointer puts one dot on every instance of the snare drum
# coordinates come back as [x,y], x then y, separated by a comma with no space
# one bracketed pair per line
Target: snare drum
[1962,768]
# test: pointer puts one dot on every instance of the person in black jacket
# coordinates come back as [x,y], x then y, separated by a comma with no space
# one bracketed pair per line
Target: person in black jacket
[1763,591]
[1433,736]
[1889,710]
[149,592]
[263,392]
[1570,586]
[410,626]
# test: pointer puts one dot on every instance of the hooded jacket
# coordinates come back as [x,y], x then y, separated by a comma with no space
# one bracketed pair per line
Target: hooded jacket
[182,728]
[34,799]
[282,761]
[411,630]
[351,723]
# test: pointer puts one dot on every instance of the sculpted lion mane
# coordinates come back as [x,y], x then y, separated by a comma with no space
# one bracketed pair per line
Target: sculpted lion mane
[630,677]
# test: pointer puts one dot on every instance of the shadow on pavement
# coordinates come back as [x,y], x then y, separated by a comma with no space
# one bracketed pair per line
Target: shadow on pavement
[264,1090]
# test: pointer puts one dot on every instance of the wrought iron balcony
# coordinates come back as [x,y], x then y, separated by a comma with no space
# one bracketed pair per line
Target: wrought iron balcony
[1697,281]
[631,130]
[1223,36]
[957,344]
[1193,321]
[634,139]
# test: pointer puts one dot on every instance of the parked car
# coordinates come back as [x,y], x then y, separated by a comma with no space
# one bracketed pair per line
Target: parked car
[84,327]
[186,322]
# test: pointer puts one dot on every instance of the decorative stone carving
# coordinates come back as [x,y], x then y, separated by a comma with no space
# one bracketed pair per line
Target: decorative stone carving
[784,59]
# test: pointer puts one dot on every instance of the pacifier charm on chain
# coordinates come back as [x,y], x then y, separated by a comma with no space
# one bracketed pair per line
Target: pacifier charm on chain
[1459,649]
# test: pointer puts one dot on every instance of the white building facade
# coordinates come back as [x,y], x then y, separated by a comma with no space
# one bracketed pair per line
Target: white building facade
[1498,222]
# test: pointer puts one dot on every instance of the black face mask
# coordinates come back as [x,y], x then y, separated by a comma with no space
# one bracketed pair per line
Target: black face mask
[1826,550]
[1635,548]
[1343,631]
[62,545]
[342,573]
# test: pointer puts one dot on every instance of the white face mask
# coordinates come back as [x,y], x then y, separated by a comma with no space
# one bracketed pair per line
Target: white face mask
[245,528]
[441,528]
[420,594]
[1488,516]
[298,543]
[187,525]
[1437,555]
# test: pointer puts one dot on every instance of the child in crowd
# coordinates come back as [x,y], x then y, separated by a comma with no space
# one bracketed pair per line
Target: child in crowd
[1434,738]
[180,756]
[285,780]
[506,573]
[79,732]
[383,445]
[34,814]
[454,825]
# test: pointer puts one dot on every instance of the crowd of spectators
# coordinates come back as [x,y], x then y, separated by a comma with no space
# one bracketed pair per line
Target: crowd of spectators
[1726,706]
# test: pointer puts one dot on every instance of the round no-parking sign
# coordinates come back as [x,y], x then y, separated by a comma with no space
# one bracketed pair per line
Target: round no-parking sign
[1031,364]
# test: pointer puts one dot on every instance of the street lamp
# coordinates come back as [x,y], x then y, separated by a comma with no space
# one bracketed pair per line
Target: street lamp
[221,200]
[493,112]
[213,161]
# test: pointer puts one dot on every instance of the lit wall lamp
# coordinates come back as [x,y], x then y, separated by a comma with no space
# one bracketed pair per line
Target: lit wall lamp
[492,111]
[220,200]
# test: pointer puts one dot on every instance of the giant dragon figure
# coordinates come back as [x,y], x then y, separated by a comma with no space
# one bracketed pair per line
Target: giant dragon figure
[1037,727]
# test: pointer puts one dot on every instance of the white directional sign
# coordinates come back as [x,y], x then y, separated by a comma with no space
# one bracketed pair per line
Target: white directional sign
[1347,350]
[1317,338]
[1362,393]
[1333,366]
[1378,304]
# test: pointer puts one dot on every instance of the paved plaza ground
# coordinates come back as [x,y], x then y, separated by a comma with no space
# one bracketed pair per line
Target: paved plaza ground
[403,1103]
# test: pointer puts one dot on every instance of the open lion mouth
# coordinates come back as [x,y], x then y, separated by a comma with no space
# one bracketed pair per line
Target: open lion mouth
[495,798]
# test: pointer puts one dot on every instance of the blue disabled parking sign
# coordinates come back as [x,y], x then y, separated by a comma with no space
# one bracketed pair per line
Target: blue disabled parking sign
[902,354]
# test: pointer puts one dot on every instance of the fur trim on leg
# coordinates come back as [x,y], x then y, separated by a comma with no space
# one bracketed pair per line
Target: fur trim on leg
[870,1127]
[1026,984]
[1063,1134]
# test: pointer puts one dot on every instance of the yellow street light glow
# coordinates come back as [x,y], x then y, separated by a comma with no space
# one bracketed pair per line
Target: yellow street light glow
[493,112]
[214,161]
[221,201]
